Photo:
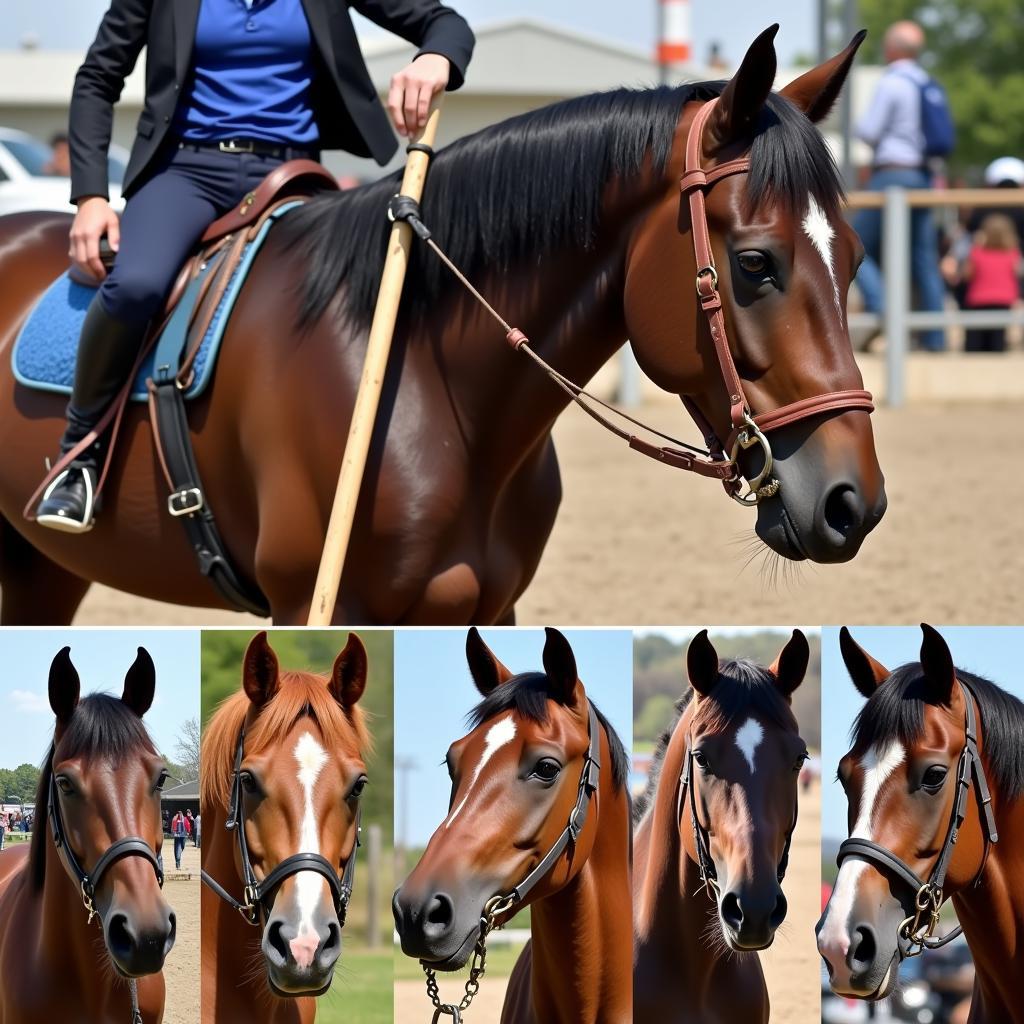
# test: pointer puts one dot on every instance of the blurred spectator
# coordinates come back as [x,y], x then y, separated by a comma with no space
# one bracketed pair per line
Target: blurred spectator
[992,275]
[59,164]
[716,62]
[894,125]
[1005,172]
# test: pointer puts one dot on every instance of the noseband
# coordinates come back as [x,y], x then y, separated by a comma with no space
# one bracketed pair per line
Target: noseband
[702,836]
[917,932]
[257,893]
[502,904]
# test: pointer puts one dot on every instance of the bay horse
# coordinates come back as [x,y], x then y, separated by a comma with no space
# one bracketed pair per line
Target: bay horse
[94,852]
[538,754]
[712,838]
[570,220]
[935,780]
[283,766]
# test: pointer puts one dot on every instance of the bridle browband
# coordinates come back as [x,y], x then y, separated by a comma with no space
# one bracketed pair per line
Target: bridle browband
[256,892]
[720,459]
[702,837]
[89,881]
[502,904]
[916,933]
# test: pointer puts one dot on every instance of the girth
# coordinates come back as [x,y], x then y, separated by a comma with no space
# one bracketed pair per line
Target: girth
[916,933]
[257,892]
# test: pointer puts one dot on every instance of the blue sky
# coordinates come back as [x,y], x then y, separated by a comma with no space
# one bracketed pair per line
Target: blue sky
[102,657]
[71,24]
[434,692]
[994,652]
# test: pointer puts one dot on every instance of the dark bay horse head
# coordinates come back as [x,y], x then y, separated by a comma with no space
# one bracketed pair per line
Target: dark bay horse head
[105,777]
[900,781]
[301,776]
[785,257]
[738,754]
[515,778]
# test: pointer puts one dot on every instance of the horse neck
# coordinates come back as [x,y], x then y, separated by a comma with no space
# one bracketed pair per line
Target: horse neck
[992,915]
[673,908]
[582,946]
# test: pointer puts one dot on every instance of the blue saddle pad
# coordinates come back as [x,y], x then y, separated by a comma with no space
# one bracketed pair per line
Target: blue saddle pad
[45,349]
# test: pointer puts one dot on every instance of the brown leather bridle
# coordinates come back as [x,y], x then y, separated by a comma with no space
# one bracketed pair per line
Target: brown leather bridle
[719,461]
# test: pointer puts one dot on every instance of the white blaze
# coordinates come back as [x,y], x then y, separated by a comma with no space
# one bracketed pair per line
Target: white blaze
[311,758]
[818,229]
[498,735]
[878,765]
[748,738]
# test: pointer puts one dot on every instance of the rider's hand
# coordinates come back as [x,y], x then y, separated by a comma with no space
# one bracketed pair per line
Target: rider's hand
[95,218]
[413,88]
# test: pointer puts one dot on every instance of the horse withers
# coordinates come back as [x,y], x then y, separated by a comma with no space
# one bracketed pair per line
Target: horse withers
[94,855]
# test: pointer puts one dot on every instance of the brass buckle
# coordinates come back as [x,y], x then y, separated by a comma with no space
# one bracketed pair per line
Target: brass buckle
[87,901]
[916,931]
[708,270]
[250,910]
[185,502]
[757,489]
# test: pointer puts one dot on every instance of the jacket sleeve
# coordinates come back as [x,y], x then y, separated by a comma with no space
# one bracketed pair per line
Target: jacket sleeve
[427,24]
[98,85]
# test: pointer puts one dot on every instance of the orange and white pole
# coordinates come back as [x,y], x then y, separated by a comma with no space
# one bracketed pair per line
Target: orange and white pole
[674,38]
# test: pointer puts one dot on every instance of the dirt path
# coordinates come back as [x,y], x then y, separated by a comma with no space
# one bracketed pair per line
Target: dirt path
[181,969]
[411,1005]
[638,544]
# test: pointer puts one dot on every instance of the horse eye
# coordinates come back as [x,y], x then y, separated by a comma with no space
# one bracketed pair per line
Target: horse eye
[64,786]
[161,781]
[801,761]
[547,769]
[357,789]
[701,759]
[934,777]
[249,783]
[753,262]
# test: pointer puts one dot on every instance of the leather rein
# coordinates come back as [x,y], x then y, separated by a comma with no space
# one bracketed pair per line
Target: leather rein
[719,460]
[702,835]
[505,903]
[89,881]
[917,932]
[257,893]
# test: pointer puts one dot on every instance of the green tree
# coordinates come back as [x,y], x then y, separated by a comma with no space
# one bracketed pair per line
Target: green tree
[20,782]
[974,50]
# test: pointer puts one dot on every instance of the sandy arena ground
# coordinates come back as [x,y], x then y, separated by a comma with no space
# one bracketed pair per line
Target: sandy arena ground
[636,543]
[181,970]
[413,1007]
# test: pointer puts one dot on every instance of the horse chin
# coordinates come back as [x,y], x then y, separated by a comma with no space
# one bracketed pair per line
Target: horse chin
[776,529]
[290,989]
[457,960]
[739,944]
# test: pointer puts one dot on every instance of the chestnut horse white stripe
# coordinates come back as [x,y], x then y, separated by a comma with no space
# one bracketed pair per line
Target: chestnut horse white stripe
[748,738]
[308,884]
[498,735]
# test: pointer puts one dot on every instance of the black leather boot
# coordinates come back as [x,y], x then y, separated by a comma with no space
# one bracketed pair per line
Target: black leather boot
[106,354]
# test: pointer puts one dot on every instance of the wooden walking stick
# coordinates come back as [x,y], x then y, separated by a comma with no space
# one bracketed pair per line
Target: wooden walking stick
[364,413]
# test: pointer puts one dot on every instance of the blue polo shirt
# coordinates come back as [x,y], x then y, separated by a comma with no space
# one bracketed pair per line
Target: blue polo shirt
[252,72]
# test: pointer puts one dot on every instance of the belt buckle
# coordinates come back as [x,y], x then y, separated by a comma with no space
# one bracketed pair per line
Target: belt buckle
[185,502]
[236,146]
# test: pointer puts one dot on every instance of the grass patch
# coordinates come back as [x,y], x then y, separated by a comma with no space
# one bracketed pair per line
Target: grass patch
[363,989]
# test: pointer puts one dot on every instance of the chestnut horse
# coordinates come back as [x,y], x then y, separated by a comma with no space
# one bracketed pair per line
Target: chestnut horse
[297,783]
[570,220]
[516,777]
[931,743]
[712,840]
[99,795]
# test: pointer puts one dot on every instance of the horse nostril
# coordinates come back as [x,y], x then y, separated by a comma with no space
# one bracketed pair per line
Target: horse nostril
[330,949]
[172,931]
[276,945]
[778,915]
[732,912]
[844,510]
[863,948]
[120,940]
[440,914]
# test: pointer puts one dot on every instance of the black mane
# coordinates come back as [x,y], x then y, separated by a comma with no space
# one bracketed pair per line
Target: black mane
[530,187]
[742,687]
[895,712]
[101,727]
[528,695]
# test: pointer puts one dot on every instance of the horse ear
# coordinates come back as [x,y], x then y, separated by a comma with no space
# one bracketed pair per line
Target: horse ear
[488,673]
[816,91]
[348,677]
[746,92]
[866,673]
[937,663]
[64,687]
[560,666]
[702,664]
[260,671]
[790,666]
[140,683]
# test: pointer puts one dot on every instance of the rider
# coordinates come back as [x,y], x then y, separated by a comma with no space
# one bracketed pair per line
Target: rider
[233,88]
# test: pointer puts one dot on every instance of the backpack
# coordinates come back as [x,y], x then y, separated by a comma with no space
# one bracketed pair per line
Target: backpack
[936,120]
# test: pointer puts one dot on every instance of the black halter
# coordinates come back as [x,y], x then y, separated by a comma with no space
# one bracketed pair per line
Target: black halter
[702,838]
[916,933]
[257,893]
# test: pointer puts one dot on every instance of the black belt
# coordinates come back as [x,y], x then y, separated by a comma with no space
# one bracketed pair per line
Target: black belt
[257,147]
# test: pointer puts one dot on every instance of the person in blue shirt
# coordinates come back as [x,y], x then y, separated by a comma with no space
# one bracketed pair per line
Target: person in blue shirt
[233,89]
[892,127]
